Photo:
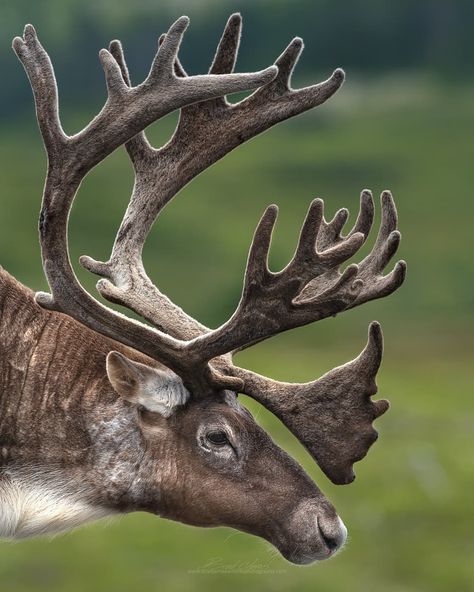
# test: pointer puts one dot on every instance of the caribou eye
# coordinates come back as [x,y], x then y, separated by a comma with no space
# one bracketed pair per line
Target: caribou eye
[218,438]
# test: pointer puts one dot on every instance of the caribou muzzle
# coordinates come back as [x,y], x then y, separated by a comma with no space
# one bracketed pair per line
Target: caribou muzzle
[310,533]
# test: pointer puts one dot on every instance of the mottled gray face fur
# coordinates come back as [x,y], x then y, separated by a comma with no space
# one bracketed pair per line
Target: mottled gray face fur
[216,466]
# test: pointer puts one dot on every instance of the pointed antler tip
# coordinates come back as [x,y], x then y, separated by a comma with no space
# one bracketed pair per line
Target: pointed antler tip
[375,327]
[383,405]
[351,271]
[375,337]
[357,238]
[182,22]
[115,45]
[29,31]
[17,44]
[235,18]
[386,197]
[319,201]
[401,267]
[44,299]
[104,54]
[94,266]
[395,236]
[85,260]
[272,210]
[29,34]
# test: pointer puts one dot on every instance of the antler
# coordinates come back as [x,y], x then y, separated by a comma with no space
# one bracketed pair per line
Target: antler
[206,131]
[126,112]
[310,288]
[332,416]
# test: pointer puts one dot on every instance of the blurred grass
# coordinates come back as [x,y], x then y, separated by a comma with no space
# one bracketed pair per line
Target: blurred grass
[409,512]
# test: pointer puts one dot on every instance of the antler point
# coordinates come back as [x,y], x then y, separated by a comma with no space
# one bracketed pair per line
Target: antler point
[386,198]
[375,339]
[17,44]
[401,268]
[29,31]
[115,44]
[182,22]
[104,53]
[375,327]
[44,299]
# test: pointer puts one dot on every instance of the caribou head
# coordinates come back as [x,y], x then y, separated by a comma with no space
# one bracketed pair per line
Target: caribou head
[165,430]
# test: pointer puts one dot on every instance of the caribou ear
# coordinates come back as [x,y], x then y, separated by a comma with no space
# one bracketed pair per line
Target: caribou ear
[157,391]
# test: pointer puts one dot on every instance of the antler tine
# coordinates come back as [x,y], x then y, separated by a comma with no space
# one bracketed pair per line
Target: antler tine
[228,48]
[332,416]
[138,147]
[43,82]
[167,53]
[206,131]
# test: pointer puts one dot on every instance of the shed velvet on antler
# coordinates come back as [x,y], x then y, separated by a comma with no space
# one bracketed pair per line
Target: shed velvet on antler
[331,416]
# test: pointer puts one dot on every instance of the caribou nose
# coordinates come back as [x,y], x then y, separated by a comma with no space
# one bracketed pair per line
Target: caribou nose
[333,533]
[313,532]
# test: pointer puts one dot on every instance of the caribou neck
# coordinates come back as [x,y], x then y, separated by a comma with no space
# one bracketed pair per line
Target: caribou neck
[63,429]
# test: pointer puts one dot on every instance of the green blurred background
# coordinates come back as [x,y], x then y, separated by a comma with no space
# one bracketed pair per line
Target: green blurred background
[403,120]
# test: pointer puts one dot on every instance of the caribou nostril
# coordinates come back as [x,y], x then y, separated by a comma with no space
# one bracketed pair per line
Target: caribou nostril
[332,543]
[332,538]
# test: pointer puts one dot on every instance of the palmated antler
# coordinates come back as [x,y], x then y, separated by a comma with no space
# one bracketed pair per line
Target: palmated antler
[311,286]
[332,416]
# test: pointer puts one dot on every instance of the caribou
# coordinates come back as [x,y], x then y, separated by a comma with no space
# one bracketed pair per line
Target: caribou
[101,414]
